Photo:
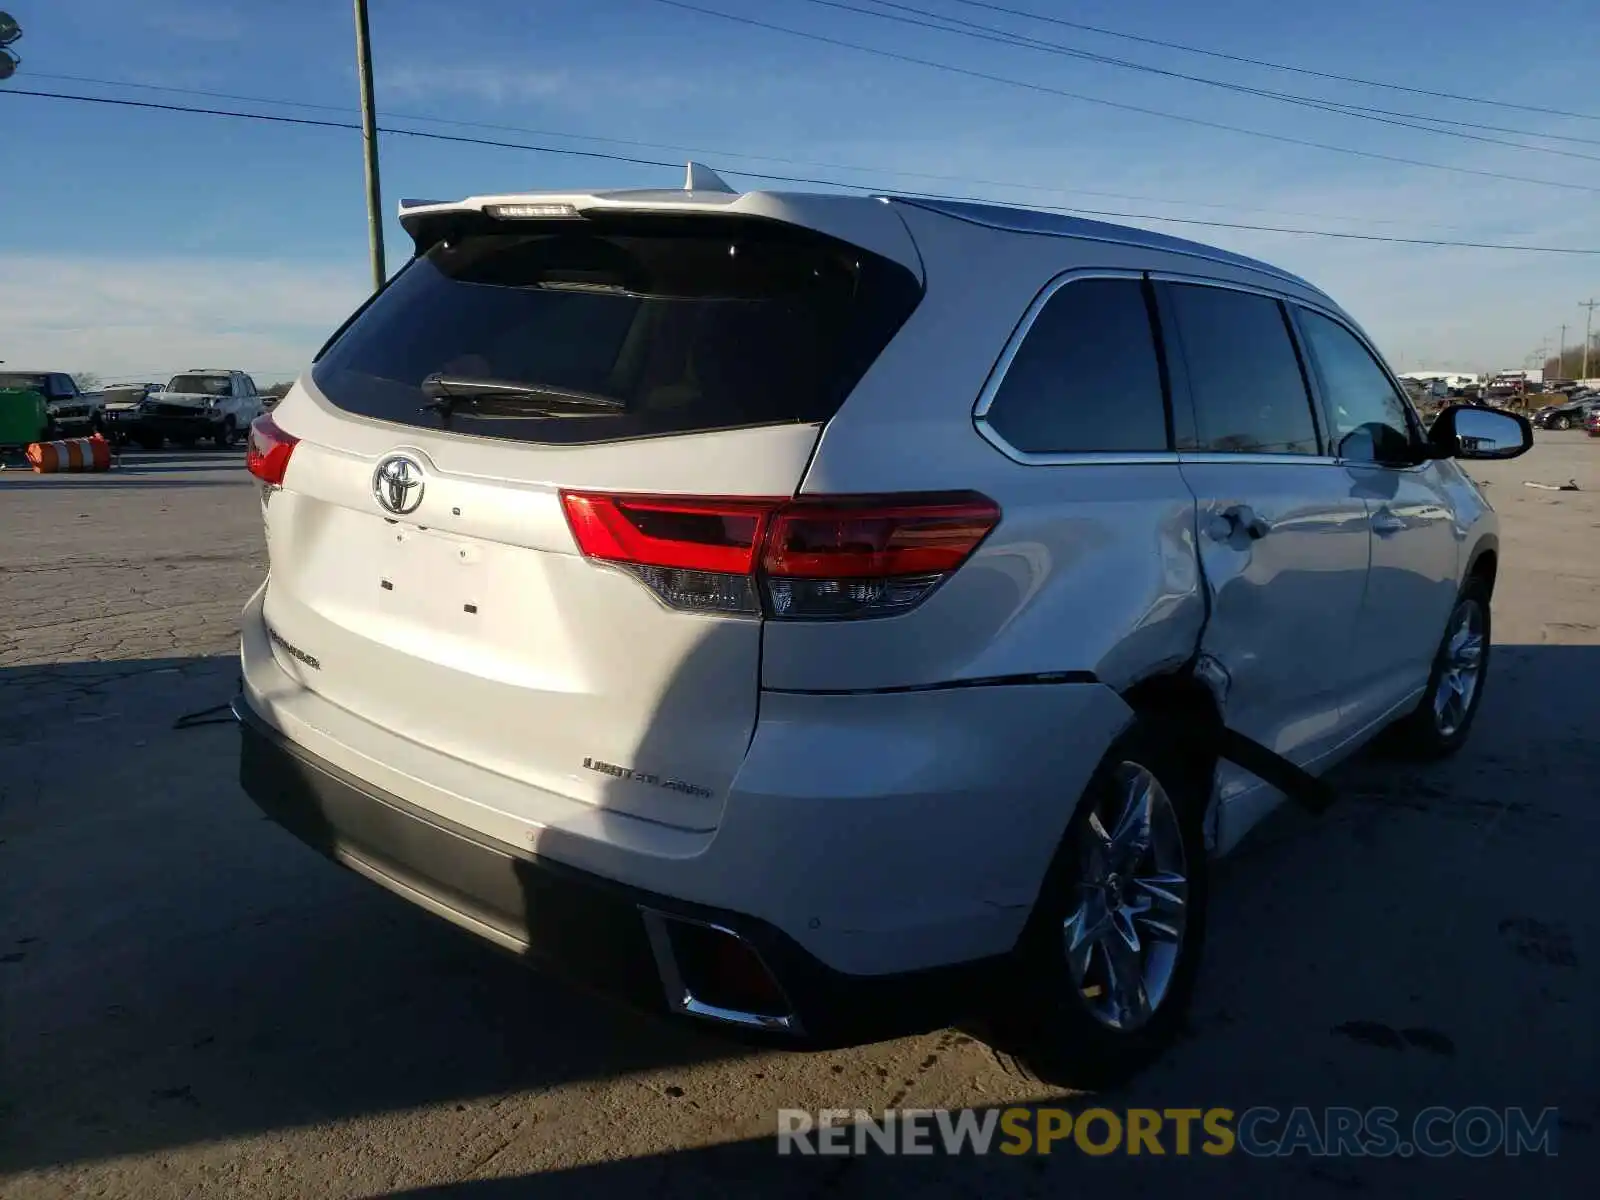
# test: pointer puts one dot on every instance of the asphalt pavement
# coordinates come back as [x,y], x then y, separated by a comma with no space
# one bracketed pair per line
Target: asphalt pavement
[193,1005]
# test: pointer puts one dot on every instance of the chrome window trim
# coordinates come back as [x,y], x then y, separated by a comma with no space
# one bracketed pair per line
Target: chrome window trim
[1106,458]
[1235,457]
[1002,366]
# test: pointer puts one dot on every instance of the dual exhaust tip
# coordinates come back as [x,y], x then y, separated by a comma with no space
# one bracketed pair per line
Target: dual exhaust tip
[711,972]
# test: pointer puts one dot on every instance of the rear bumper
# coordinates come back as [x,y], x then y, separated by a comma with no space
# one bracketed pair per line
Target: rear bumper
[872,847]
[591,931]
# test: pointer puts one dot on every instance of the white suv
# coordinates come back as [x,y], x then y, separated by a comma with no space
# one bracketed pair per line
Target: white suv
[827,616]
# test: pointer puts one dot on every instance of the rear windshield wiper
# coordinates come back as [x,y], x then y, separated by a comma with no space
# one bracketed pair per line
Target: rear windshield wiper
[445,392]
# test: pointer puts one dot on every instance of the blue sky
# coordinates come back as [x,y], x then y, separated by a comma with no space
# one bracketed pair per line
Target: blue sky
[136,243]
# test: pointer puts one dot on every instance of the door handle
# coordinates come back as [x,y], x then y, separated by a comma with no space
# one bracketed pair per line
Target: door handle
[1237,518]
[1385,522]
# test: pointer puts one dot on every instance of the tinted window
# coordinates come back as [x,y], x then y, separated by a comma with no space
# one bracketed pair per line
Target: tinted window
[1085,377]
[1244,375]
[682,325]
[1366,417]
[201,385]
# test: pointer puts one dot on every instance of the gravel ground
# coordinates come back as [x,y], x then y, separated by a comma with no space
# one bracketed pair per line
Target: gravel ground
[192,1004]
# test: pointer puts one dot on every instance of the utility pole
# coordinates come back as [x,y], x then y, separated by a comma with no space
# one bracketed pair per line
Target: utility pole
[1561,356]
[369,146]
[1588,323]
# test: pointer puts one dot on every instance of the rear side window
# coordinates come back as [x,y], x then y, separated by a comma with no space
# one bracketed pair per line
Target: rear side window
[1086,377]
[654,325]
[1244,374]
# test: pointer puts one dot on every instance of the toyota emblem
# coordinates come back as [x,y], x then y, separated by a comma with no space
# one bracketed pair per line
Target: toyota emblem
[397,484]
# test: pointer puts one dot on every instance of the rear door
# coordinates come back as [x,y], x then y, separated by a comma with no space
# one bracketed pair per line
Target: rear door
[1282,535]
[425,544]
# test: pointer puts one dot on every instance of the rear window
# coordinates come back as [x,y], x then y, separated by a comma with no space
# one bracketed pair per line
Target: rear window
[201,385]
[25,380]
[688,324]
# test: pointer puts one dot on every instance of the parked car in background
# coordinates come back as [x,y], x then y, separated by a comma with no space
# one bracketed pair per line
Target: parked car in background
[819,616]
[203,404]
[122,413]
[1568,414]
[70,412]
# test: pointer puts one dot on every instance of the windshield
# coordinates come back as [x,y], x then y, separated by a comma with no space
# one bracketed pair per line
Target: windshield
[689,325]
[201,385]
[28,380]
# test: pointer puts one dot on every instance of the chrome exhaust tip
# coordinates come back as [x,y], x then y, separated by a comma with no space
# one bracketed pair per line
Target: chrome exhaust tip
[711,972]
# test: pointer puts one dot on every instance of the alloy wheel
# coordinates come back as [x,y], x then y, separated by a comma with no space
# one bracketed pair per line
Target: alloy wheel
[1123,939]
[1462,669]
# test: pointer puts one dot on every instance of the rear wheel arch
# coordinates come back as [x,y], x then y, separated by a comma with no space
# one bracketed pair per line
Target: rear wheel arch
[1186,709]
[1174,695]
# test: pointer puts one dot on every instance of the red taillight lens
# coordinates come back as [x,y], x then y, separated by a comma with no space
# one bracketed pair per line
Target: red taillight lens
[812,558]
[834,539]
[670,531]
[267,450]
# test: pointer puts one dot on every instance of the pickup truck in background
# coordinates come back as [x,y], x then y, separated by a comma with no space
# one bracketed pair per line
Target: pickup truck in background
[70,412]
[214,405]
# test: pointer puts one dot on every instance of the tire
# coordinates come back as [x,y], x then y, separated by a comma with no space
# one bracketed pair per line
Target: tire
[1062,1028]
[1427,733]
[228,435]
[1562,422]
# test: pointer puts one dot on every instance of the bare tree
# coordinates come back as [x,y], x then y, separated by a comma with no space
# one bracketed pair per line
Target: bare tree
[87,381]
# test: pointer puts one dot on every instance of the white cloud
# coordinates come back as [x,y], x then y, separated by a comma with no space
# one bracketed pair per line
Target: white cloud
[513,86]
[489,84]
[154,316]
[196,23]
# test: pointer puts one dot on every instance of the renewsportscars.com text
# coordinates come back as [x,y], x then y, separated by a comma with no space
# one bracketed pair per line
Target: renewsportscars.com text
[1261,1132]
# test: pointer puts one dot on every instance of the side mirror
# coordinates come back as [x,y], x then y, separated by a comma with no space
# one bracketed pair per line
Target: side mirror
[1461,431]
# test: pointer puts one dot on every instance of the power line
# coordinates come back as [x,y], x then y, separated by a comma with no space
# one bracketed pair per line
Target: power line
[1258,62]
[1117,104]
[703,151]
[802,179]
[989,33]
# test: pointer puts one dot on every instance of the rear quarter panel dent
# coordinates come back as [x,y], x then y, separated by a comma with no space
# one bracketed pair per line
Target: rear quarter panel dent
[1092,568]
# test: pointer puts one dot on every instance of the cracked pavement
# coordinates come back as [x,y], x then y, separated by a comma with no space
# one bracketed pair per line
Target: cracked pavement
[193,1005]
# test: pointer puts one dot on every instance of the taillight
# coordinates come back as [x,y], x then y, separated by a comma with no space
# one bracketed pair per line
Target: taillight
[267,450]
[804,559]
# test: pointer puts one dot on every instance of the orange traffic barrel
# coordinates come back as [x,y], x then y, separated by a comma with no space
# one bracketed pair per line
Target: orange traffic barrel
[70,454]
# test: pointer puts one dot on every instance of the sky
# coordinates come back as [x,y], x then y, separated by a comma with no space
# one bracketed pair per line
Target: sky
[135,242]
